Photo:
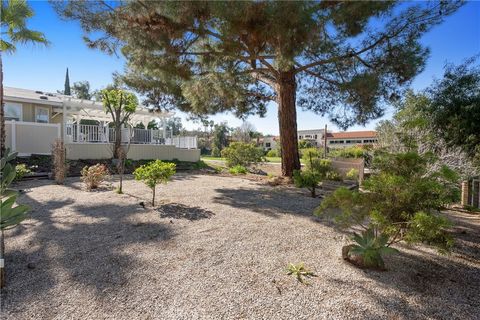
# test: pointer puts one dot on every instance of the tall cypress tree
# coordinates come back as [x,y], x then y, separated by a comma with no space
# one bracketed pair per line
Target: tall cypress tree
[344,59]
[67,91]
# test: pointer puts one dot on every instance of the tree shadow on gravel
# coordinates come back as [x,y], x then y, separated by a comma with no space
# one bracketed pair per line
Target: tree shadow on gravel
[180,211]
[84,243]
[268,201]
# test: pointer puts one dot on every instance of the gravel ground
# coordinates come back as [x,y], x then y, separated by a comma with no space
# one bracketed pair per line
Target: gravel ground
[215,248]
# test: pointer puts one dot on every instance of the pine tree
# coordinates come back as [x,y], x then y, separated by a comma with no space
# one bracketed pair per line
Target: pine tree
[67,91]
[344,59]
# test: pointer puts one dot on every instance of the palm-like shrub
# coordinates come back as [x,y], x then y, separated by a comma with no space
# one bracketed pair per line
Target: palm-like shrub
[371,248]
[243,154]
[154,173]
[94,175]
[401,201]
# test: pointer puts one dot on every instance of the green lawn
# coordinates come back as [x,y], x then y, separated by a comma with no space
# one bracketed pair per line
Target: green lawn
[269,159]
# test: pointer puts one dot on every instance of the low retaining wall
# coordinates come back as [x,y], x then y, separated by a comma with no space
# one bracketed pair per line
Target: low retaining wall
[76,151]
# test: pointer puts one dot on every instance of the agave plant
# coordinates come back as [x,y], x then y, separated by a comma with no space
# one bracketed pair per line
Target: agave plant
[371,247]
[10,215]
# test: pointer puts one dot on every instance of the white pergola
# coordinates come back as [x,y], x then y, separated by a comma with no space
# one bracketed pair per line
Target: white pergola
[75,110]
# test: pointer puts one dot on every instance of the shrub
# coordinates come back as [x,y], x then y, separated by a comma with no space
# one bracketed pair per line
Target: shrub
[94,175]
[21,171]
[216,152]
[11,214]
[350,152]
[238,170]
[352,174]
[333,175]
[243,154]
[59,165]
[273,153]
[154,173]
[401,200]
[303,144]
[316,170]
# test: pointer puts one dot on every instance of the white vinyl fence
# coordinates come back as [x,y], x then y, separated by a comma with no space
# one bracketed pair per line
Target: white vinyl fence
[28,138]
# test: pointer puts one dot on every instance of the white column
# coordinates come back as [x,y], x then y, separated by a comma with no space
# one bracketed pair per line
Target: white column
[164,124]
[64,124]
[78,117]
[14,136]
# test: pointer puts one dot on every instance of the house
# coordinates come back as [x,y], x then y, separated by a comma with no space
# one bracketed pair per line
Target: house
[350,138]
[334,139]
[269,142]
[35,119]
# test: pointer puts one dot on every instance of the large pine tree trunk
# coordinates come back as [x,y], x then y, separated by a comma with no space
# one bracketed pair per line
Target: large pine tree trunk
[2,112]
[287,118]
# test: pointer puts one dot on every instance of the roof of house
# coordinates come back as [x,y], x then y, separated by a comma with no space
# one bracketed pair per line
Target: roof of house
[91,109]
[352,134]
[32,96]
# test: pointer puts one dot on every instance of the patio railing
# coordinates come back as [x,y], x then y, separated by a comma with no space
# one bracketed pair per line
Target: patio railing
[99,134]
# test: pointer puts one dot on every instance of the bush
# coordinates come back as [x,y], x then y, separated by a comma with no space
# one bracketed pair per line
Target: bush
[333,175]
[21,171]
[352,174]
[316,170]
[243,154]
[238,170]
[154,173]
[273,153]
[94,175]
[400,201]
[350,152]
[216,152]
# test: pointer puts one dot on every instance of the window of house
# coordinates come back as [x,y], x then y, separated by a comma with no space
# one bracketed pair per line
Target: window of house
[267,144]
[13,111]
[300,137]
[41,114]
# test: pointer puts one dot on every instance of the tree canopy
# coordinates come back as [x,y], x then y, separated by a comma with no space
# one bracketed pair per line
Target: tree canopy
[343,59]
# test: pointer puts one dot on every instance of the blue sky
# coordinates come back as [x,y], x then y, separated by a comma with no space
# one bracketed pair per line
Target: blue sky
[41,68]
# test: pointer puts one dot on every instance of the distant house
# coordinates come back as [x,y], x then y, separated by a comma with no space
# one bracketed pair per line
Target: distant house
[35,119]
[334,139]
[350,138]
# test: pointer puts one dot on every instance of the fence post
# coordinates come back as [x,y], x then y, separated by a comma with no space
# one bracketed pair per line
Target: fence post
[14,136]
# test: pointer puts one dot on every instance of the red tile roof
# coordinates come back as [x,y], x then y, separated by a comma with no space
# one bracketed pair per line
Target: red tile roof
[352,134]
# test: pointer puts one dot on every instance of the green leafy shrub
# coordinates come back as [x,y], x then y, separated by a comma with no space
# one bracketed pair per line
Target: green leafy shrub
[216,152]
[303,144]
[400,201]
[316,170]
[154,173]
[94,175]
[333,175]
[273,153]
[300,272]
[21,171]
[10,214]
[243,154]
[371,248]
[238,170]
[352,174]
[350,152]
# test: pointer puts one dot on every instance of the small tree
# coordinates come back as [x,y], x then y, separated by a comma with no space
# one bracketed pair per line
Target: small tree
[120,105]
[316,170]
[220,139]
[154,173]
[400,203]
[243,154]
[10,215]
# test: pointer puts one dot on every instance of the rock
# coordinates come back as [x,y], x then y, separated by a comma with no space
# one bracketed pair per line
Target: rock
[31,265]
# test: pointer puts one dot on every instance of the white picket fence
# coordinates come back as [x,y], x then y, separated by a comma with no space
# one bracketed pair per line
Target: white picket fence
[95,134]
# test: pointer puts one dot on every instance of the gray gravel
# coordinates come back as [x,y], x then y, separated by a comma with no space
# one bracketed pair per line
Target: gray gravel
[215,248]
